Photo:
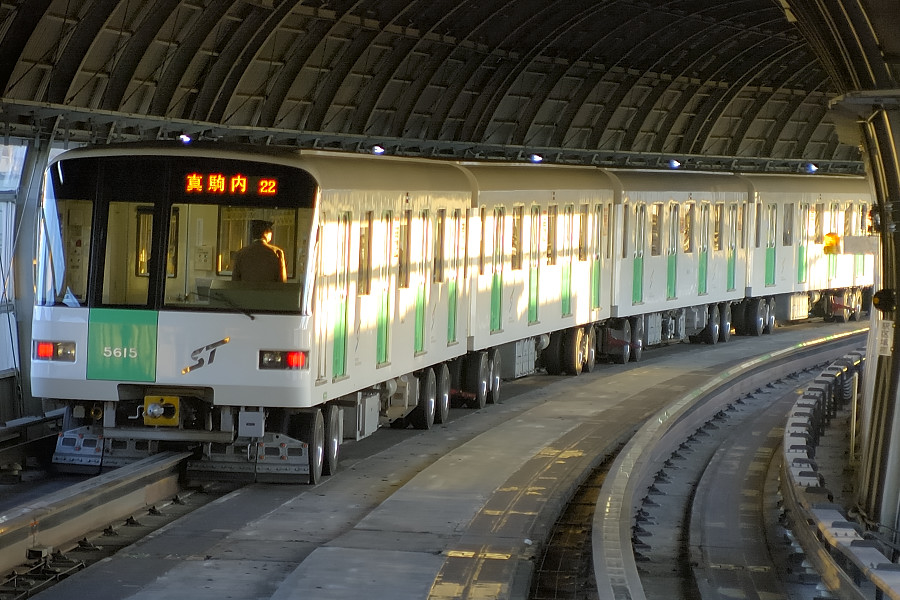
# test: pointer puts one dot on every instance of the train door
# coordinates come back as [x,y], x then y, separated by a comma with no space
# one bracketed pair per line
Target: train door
[385,247]
[342,295]
[703,266]
[566,271]
[731,245]
[323,284]
[672,240]
[803,240]
[497,270]
[640,231]
[534,264]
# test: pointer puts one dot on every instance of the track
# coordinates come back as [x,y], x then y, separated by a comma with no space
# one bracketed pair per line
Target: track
[709,524]
[447,513]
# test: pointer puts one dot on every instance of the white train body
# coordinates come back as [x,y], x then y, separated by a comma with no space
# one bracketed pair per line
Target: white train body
[410,281]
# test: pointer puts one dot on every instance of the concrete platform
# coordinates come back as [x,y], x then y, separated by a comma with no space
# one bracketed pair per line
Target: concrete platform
[456,512]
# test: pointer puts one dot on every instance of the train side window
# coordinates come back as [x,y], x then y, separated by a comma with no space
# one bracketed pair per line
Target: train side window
[656,225]
[803,228]
[551,234]
[517,224]
[757,211]
[583,223]
[849,221]
[718,226]
[626,229]
[674,233]
[568,231]
[439,245]
[482,250]
[535,245]
[497,254]
[454,237]
[771,225]
[597,232]
[640,229]
[704,227]
[742,219]
[605,211]
[787,232]
[687,228]
[819,224]
[403,258]
[364,272]
[733,213]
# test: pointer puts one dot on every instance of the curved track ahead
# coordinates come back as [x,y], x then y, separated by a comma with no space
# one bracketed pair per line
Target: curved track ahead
[457,512]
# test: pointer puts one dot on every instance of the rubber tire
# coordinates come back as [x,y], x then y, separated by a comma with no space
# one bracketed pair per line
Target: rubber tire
[713,323]
[442,407]
[422,416]
[637,339]
[312,427]
[725,321]
[856,312]
[495,363]
[477,378]
[770,316]
[551,355]
[590,354]
[332,417]
[755,317]
[739,317]
[844,314]
[624,353]
[573,350]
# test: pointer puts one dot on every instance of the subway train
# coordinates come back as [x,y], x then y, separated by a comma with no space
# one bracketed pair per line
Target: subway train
[410,284]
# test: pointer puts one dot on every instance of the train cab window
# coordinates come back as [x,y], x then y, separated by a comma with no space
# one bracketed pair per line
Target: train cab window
[552,234]
[440,226]
[62,265]
[145,242]
[718,226]
[403,258]
[583,223]
[787,231]
[687,228]
[517,224]
[656,227]
[364,269]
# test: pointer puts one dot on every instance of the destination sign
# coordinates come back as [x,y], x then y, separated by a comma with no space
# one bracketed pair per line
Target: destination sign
[229,184]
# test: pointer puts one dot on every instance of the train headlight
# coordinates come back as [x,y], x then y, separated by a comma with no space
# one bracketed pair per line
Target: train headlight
[283,359]
[57,351]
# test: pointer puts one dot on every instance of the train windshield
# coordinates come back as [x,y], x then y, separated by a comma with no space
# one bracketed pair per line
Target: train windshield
[159,232]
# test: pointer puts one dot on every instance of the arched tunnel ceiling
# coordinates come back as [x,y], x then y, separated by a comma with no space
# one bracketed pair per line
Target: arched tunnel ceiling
[714,83]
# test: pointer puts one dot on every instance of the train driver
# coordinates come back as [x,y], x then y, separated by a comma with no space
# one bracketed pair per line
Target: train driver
[260,260]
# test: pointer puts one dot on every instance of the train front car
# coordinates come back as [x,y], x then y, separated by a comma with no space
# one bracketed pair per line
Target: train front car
[143,330]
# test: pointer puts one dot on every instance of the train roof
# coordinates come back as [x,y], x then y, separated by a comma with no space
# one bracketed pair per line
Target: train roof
[810,184]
